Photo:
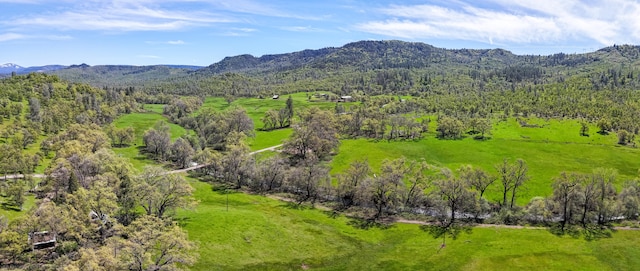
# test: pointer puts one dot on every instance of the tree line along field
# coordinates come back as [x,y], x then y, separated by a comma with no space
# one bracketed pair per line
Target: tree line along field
[555,145]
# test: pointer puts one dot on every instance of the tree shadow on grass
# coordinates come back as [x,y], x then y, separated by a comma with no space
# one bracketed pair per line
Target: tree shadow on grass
[295,206]
[10,207]
[331,213]
[142,154]
[182,221]
[368,223]
[590,232]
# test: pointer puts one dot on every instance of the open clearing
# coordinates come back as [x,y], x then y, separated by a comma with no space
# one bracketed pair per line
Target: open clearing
[141,122]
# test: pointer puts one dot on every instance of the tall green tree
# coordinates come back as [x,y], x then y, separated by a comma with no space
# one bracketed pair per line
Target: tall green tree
[159,192]
[316,133]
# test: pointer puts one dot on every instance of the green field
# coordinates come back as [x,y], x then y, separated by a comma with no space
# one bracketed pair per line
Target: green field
[554,147]
[548,151]
[259,233]
[257,107]
[10,213]
[141,122]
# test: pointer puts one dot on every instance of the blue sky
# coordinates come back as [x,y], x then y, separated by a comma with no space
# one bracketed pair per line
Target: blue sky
[201,32]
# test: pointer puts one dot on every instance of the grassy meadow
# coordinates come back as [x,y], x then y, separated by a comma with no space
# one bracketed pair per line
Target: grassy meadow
[141,122]
[549,150]
[10,212]
[259,233]
[552,147]
[257,107]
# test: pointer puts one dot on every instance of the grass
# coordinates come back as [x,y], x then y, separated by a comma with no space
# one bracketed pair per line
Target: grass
[553,147]
[257,107]
[141,122]
[10,213]
[258,233]
[548,151]
[155,108]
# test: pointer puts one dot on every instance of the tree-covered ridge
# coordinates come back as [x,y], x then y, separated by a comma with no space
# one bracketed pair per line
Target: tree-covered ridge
[121,75]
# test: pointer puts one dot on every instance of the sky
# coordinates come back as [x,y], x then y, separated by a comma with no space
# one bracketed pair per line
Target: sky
[202,32]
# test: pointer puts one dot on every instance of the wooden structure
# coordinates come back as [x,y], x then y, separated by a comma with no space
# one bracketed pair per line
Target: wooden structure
[42,240]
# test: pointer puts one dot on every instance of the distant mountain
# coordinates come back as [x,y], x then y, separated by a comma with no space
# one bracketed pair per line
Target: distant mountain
[83,71]
[361,55]
[367,66]
[9,68]
[186,67]
[122,75]
[46,68]
[250,64]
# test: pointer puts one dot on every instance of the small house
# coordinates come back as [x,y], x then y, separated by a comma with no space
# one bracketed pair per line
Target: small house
[42,240]
[345,99]
[275,97]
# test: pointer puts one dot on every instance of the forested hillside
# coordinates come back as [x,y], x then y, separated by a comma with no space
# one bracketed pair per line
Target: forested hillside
[593,86]
[122,75]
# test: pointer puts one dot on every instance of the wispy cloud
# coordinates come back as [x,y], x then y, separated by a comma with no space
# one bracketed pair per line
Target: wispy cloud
[255,8]
[120,16]
[239,32]
[17,36]
[170,42]
[514,21]
[301,29]
[11,36]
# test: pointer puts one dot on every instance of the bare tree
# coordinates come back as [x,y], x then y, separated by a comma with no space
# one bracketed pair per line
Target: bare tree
[352,182]
[307,179]
[477,178]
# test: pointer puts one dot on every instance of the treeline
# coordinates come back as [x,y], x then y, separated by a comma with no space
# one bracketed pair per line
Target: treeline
[449,201]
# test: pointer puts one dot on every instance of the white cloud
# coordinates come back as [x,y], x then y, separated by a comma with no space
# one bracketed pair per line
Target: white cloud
[176,42]
[246,30]
[239,32]
[16,36]
[301,29]
[514,21]
[11,36]
[255,8]
[120,16]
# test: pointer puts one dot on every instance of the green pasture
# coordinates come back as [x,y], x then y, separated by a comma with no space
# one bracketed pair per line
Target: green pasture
[549,150]
[155,108]
[259,233]
[256,109]
[10,212]
[141,122]
[550,147]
